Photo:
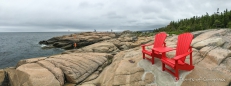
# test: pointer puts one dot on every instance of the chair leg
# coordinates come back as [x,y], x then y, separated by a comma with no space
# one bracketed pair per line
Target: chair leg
[177,74]
[143,56]
[163,67]
[152,60]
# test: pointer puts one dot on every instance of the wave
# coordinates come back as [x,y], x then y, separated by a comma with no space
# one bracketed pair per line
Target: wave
[43,45]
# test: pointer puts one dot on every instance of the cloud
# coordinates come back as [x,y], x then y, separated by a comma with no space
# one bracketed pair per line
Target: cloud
[103,15]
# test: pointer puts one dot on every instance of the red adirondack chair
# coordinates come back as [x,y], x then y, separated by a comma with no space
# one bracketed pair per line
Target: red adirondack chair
[159,42]
[183,49]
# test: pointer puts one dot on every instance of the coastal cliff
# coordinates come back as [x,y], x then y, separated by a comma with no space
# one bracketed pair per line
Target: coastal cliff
[111,59]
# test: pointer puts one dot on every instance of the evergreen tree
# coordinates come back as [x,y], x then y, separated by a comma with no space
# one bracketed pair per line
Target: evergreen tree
[216,20]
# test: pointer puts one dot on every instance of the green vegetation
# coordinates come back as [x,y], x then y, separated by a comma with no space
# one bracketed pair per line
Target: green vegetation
[216,20]
[140,34]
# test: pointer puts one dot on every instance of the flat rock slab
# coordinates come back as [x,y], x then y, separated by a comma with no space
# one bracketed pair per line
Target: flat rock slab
[124,71]
[207,35]
[215,54]
[213,41]
[78,66]
[196,33]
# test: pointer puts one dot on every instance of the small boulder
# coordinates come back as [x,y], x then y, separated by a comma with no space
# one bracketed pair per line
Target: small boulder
[103,47]
[32,74]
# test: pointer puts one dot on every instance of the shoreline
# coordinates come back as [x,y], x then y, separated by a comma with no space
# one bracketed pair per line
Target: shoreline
[17,46]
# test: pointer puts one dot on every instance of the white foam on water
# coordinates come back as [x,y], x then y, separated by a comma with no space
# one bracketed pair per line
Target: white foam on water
[43,45]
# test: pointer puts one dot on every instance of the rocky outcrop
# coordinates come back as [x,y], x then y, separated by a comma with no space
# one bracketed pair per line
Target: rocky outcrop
[122,41]
[128,68]
[112,46]
[211,61]
[58,69]
[81,39]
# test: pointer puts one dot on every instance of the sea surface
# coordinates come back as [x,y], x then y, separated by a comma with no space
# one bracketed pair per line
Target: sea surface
[15,46]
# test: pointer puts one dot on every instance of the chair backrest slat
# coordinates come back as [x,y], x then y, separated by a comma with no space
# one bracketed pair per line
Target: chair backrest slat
[183,44]
[159,39]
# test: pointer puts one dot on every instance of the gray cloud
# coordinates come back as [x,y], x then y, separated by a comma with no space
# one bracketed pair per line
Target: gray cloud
[103,15]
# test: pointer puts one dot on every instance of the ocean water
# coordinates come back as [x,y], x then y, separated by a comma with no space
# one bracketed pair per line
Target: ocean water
[15,46]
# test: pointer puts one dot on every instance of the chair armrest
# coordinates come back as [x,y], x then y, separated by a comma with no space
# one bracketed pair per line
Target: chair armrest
[180,56]
[163,49]
[146,45]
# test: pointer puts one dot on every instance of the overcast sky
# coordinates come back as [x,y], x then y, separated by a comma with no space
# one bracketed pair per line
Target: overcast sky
[102,15]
